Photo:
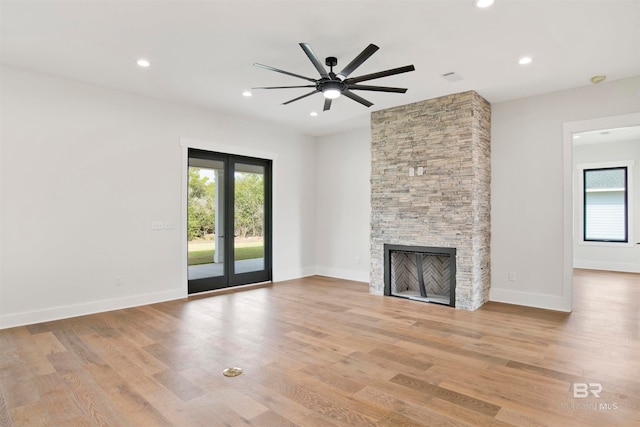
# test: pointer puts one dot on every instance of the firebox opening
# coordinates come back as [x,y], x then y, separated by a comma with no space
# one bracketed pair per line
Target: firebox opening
[420,273]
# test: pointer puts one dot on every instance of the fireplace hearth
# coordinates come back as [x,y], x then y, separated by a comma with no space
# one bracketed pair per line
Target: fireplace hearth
[420,273]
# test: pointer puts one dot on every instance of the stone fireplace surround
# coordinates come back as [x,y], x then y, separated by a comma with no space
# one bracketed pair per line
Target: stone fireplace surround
[446,203]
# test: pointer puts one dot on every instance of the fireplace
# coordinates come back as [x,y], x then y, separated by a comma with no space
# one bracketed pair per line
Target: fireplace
[431,187]
[420,273]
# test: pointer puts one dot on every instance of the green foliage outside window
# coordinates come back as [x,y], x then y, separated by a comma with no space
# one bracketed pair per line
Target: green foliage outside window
[249,205]
[200,205]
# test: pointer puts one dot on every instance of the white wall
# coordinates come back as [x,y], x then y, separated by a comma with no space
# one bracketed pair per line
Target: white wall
[607,256]
[343,205]
[528,188]
[84,171]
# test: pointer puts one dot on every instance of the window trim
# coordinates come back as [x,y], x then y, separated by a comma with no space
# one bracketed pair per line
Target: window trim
[628,164]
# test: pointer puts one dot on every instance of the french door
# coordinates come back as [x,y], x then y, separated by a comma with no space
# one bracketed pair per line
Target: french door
[229,220]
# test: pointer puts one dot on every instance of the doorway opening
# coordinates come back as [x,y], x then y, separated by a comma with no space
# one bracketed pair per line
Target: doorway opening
[577,252]
[604,206]
[228,220]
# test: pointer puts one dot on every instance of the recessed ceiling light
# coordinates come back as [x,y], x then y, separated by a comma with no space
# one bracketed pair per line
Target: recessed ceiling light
[246,94]
[143,63]
[313,114]
[525,60]
[598,79]
[483,3]
[576,136]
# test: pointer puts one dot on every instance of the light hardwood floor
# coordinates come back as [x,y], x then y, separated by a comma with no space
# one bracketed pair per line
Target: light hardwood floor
[323,352]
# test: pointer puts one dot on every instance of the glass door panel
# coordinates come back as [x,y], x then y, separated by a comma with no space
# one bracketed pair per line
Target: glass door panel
[206,212]
[249,216]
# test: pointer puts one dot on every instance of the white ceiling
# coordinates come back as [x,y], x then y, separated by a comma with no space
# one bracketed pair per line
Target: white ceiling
[201,52]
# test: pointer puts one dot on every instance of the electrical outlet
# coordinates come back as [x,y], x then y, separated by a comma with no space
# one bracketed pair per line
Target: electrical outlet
[119,281]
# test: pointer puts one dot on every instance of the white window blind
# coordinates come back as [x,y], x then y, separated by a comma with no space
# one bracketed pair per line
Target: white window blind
[605,204]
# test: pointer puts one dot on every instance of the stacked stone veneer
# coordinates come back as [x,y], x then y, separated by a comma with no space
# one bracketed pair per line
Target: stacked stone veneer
[449,205]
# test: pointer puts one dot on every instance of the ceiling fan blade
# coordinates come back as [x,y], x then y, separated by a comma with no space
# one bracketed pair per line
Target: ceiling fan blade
[266,67]
[377,88]
[357,98]
[327,104]
[358,60]
[300,97]
[282,87]
[314,59]
[379,74]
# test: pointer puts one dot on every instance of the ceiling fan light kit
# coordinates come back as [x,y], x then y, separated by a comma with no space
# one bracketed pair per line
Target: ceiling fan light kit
[333,85]
[332,90]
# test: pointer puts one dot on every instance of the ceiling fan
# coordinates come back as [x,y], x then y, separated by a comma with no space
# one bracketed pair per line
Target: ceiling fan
[333,85]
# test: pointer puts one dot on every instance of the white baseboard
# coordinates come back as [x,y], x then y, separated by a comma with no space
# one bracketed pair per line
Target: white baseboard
[283,275]
[64,312]
[605,265]
[346,274]
[549,302]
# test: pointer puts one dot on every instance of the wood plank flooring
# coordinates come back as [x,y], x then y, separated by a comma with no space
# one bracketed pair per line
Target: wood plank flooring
[323,352]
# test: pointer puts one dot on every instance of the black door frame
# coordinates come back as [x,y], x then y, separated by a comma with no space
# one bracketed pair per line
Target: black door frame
[230,278]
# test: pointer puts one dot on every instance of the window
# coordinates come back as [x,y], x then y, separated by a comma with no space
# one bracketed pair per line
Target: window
[606,205]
